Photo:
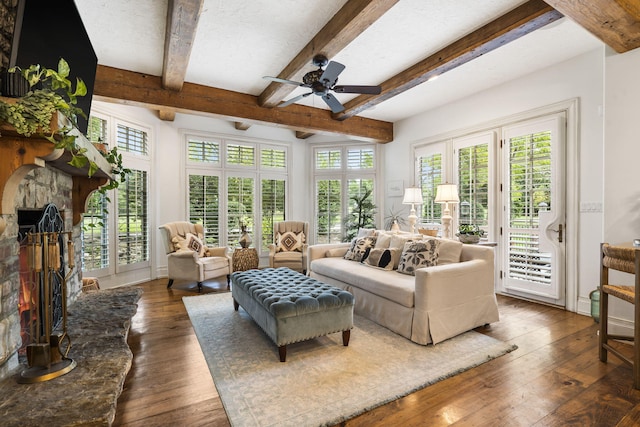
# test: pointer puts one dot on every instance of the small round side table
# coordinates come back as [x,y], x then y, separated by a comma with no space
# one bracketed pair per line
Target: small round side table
[245,259]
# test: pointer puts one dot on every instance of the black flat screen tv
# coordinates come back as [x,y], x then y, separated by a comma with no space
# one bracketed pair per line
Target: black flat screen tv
[46,31]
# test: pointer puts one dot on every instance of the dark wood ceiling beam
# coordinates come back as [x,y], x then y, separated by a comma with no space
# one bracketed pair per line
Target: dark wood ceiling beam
[166,114]
[303,135]
[517,23]
[354,17]
[615,22]
[182,22]
[127,87]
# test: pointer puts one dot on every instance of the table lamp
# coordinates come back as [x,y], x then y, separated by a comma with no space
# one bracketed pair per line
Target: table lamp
[446,193]
[413,197]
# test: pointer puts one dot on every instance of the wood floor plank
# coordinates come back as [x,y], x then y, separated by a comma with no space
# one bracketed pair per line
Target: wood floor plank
[554,378]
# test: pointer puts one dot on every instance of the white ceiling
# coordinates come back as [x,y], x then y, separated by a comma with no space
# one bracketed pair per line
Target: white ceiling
[240,41]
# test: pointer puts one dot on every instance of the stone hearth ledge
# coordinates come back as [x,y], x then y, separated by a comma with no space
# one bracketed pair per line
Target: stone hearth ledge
[98,323]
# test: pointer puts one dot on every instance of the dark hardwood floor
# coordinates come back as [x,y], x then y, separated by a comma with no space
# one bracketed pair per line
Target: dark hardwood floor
[554,378]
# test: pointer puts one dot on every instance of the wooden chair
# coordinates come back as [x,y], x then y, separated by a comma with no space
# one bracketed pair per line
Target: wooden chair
[626,258]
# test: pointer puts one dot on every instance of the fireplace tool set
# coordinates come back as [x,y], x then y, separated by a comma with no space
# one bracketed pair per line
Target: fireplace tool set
[50,344]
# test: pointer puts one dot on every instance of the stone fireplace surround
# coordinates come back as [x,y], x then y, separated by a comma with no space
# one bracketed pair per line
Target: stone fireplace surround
[37,188]
[98,323]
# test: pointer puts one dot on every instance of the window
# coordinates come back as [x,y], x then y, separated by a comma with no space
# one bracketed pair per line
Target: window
[243,155]
[429,177]
[133,227]
[95,233]
[249,188]
[273,196]
[204,206]
[328,159]
[344,175]
[97,129]
[203,151]
[273,158]
[240,207]
[473,181]
[115,227]
[328,211]
[132,140]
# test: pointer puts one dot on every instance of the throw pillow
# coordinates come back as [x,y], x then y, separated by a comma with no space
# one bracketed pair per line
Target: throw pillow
[195,244]
[449,250]
[383,258]
[383,240]
[289,241]
[366,232]
[360,248]
[418,255]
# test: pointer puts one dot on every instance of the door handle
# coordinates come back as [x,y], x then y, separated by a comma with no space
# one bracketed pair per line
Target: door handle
[559,231]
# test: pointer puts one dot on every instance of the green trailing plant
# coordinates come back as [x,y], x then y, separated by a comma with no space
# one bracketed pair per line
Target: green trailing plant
[52,91]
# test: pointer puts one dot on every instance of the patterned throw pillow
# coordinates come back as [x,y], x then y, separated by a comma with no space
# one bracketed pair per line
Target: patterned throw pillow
[289,241]
[360,248]
[417,255]
[195,244]
[385,259]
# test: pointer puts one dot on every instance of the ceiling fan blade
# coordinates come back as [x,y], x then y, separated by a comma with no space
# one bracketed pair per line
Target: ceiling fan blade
[331,73]
[369,90]
[279,80]
[333,103]
[294,99]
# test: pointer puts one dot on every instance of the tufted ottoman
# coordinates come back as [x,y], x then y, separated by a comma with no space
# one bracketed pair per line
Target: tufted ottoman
[292,307]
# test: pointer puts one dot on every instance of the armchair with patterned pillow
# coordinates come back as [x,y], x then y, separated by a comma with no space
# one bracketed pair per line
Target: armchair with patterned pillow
[290,245]
[188,258]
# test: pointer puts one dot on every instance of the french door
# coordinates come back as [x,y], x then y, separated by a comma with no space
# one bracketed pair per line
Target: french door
[533,209]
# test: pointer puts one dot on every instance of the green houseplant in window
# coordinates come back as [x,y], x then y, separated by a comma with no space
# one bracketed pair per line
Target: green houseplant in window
[469,233]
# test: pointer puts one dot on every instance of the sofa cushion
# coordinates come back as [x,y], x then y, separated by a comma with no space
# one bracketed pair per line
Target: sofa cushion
[449,251]
[360,248]
[366,232]
[398,240]
[385,259]
[213,263]
[382,240]
[289,241]
[399,288]
[418,255]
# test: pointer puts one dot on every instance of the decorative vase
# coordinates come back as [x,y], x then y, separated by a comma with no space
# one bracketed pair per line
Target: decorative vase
[245,240]
[395,226]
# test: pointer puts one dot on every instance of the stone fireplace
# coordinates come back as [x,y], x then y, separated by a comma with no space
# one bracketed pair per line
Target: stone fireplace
[38,188]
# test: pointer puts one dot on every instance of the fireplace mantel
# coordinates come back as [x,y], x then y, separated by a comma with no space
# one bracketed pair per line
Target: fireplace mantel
[19,155]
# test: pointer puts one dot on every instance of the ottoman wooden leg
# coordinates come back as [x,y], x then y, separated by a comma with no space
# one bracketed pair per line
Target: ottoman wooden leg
[282,350]
[345,337]
[235,305]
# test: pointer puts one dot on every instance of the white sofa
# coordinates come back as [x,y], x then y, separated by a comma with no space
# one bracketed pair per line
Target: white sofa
[438,303]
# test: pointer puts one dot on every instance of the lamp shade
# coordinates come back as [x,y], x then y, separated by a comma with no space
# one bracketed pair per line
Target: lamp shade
[447,193]
[412,195]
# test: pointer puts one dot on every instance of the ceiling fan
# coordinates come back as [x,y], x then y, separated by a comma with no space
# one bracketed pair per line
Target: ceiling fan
[322,81]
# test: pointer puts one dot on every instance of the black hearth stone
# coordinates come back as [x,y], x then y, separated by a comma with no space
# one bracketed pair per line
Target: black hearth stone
[98,324]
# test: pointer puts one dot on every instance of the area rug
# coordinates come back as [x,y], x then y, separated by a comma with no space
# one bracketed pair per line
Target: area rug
[322,382]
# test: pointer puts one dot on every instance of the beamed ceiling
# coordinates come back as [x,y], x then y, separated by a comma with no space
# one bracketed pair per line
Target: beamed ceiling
[208,57]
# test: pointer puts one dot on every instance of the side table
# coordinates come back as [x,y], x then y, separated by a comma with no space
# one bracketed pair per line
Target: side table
[245,259]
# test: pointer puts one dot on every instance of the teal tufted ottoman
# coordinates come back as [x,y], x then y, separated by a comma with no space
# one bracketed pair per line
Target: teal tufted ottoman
[292,307]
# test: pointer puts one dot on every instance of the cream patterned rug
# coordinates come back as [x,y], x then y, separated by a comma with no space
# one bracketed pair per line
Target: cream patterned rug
[322,382]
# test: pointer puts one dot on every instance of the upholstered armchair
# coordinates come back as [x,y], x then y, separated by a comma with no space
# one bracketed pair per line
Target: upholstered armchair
[188,258]
[290,245]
